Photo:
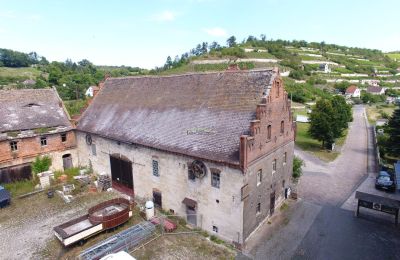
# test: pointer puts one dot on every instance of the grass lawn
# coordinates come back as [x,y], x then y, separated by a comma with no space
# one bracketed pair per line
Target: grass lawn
[307,143]
[27,72]
[374,111]
[393,55]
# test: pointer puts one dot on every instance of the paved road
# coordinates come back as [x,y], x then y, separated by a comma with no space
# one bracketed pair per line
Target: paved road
[321,226]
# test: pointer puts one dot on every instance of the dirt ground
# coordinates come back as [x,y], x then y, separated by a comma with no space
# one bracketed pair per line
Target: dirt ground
[183,246]
[26,232]
[27,225]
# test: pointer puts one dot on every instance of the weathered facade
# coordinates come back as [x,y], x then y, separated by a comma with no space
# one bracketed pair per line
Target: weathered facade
[216,148]
[33,122]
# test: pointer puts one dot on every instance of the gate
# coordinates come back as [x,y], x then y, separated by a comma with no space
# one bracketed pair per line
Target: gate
[121,173]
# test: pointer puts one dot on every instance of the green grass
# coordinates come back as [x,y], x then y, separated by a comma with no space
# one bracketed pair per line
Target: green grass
[28,73]
[375,111]
[307,143]
[393,56]
[74,107]
[20,187]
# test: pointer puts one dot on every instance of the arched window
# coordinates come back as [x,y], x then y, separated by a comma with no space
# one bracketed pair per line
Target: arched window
[282,127]
[269,132]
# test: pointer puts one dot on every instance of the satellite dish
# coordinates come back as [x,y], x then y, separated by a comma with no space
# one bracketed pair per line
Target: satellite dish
[88,139]
[199,169]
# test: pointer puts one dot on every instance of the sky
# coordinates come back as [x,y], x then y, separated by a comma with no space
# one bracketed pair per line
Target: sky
[144,33]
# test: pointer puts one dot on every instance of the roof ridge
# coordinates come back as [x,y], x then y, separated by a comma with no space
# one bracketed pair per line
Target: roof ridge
[272,69]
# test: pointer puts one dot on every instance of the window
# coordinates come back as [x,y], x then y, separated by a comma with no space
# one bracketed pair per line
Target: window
[259,177]
[43,141]
[63,137]
[215,179]
[258,209]
[94,151]
[155,168]
[215,229]
[282,127]
[191,175]
[13,146]
[269,132]
[273,166]
[283,183]
[284,158]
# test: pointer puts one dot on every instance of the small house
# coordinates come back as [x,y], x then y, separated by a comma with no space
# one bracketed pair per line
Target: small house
[374,90]
[353,92]
[325,68]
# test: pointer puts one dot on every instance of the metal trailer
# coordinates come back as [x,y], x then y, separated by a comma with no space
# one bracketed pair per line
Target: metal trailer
[123,241]
[101,217]
[5,197]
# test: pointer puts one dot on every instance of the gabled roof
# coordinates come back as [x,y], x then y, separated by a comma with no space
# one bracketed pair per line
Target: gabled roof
[202,115]
[351,89]
[374,89]
[25,109]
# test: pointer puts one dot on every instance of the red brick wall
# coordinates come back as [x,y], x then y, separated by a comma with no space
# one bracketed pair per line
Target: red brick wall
[30,147]
[272,110]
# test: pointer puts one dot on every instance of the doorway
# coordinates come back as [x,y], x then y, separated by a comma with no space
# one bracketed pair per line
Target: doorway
[157,198]
[272,203]
[121,173]
[191,215]
[67,161]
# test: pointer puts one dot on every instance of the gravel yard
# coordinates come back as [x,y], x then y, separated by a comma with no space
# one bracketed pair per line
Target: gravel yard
[26,227]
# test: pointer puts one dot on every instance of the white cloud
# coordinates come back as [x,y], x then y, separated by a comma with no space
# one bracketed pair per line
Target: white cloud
[216,31]
[7,14]
[165,16]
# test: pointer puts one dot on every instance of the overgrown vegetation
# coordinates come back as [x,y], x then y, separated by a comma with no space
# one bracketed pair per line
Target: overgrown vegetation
[41,164]
[298,163]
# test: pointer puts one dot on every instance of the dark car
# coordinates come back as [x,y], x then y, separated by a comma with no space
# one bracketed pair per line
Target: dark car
[385,181]
[5,198]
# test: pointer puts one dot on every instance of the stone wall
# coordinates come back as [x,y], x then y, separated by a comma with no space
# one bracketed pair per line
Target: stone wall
[221,207]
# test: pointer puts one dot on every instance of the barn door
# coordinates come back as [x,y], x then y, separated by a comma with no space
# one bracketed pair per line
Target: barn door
[121,173]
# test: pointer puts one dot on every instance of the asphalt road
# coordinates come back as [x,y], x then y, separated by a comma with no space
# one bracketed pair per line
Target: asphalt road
[319,227]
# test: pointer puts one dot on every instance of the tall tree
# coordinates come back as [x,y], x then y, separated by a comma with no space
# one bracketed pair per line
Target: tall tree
[393,129]
[231,42]
[322,123]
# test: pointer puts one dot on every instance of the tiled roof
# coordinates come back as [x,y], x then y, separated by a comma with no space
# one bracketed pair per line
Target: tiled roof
[31,109]
[201,115]
[351,89]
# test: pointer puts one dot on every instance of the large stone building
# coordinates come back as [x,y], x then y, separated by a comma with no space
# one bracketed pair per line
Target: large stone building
[33,122]
[215,148]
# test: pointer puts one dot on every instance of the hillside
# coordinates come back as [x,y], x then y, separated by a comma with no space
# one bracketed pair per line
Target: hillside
[310,69]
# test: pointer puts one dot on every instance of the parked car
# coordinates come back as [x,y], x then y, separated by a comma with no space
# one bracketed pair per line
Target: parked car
[385,181]
[5,198]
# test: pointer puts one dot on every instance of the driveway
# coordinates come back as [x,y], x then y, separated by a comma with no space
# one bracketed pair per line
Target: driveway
[319,225]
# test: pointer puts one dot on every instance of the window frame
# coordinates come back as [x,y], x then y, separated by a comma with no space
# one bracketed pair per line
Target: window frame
[258,208]
[274,162]
[13,146]
[155,167]
[269,132]
[63,137]
[259,177]
[43,141]
[215,179]
[282,126]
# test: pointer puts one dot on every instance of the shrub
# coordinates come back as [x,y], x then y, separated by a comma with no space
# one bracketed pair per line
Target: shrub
[41,164]
[297,167]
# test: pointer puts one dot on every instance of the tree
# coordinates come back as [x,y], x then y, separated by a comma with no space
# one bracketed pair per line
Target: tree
[323,125]
[297,164]
[263,37]
[393,129]
[41,164]
[214,46]
[231,42]
[342,111]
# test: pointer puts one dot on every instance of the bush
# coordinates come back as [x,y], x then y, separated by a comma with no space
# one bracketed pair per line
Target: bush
[297,167]
[41,164]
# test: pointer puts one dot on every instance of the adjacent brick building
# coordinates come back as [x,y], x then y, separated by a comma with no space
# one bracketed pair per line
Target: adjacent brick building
[33,122]
[216,148]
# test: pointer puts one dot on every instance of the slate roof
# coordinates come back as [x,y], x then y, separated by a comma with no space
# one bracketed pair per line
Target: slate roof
[25,109]
[202,115]
[374,89]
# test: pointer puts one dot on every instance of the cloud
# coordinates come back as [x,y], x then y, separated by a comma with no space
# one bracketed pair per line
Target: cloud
[165,16]
[216,31]
[7,14]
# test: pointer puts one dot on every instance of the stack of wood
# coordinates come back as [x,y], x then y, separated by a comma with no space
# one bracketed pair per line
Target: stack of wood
[104,182]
